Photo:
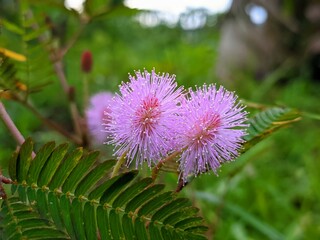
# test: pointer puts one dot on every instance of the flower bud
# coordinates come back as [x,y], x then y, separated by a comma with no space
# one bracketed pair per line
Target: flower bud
[86,61]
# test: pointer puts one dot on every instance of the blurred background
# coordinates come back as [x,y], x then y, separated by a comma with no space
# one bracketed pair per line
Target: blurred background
[266,51]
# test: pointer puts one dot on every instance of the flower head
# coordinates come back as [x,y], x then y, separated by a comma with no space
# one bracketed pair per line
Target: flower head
[143,117]
[97,115]
[211,129]
[86,61]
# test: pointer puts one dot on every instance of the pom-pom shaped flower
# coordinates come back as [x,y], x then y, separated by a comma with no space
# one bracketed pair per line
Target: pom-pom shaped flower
[144,116]
[97,116]
[211,129]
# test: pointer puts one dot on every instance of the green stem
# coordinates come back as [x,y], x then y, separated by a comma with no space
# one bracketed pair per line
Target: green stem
[156,169]
[314,116]
[254,105]
[85,91]
[118,165]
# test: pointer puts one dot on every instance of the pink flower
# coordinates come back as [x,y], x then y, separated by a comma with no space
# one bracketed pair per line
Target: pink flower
[97,116]
[211,129]
[144,116]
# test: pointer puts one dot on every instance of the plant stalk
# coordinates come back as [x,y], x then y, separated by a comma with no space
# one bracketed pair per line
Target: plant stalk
[12,127]
[85,91]
[51,124]
[156,169]
[70,94]
[119,163]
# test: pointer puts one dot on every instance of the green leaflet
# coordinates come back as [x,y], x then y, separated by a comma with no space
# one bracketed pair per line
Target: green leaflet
[189,222]
[90,224]
[128,227]
[24,76]
[79,172]
[12,27]
[115,225]
[32,197]
[34,34]
[76,199]
[52,165]
[155,203]
[103,223]
[141,230]
[131,191]
[178,216]
[268,121]
[41,202]
[41,232]
[116,187]
[39,161]
[99,190]
[54,207]
[20,216]
[77,219]
[154,232]
[13,166]
[22,193]
[144,196]
[70,161]
[93,177]
[170,207]
[65,211]
[24,159]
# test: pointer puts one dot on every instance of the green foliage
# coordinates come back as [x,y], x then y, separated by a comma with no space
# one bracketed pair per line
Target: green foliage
[268,121]
[32,70]
[22,221]
[7,73]
[251,220]
[68,195]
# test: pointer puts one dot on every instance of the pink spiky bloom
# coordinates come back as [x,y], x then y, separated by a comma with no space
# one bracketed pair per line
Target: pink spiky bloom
[97,115]
[143,117]
[212,125]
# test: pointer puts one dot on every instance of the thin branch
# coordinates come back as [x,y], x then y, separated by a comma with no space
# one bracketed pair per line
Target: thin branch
[52,125]
[70,92]
[181,184]
[56,56]
[10,125]
[74,38]
[156,169]
[58,67]
[254,105]
[85,90]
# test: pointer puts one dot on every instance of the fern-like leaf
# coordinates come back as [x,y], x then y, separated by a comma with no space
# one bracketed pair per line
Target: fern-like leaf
[33,36]
[8,79]
[21,221]
[266,122]
[75,194]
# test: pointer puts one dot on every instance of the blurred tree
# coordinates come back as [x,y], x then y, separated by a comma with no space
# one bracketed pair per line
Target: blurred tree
[289,39]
